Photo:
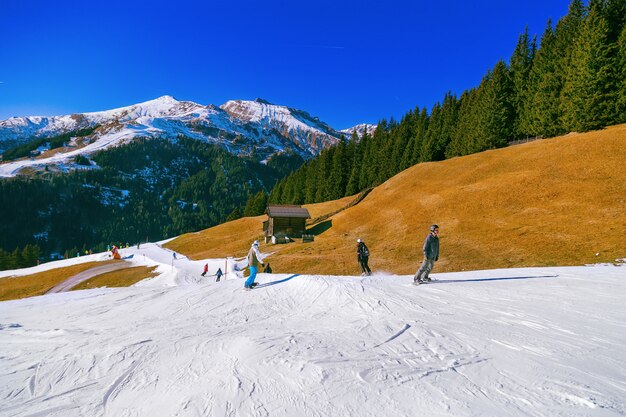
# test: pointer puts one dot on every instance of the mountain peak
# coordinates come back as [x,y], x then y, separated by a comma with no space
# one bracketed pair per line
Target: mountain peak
[166,99]
[262,101]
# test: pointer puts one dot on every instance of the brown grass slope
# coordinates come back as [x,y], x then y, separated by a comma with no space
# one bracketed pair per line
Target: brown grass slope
[559,201]
[13,288]
[120,278]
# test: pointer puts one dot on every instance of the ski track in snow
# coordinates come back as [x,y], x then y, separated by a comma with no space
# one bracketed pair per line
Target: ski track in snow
[180,345]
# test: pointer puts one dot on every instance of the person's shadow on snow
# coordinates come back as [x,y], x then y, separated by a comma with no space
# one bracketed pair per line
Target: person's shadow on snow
[488,279]
[267,284]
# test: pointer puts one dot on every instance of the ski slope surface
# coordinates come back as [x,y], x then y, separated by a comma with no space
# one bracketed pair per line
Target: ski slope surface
[511,342]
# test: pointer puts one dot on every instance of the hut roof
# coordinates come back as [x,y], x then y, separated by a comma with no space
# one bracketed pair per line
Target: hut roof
[288,211]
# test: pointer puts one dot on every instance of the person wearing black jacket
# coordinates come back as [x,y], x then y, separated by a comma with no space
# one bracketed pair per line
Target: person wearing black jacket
[363,255]
[431,254]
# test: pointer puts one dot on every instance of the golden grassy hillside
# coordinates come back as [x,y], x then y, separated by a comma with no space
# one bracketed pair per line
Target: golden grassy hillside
[119,278]
[234,238]
[558,201]
[13,288]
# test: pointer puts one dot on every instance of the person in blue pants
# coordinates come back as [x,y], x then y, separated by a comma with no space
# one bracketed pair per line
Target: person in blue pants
[254,261]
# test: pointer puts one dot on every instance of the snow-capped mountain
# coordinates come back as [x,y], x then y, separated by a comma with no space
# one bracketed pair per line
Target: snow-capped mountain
[240,126]
[360,129]
[297,125]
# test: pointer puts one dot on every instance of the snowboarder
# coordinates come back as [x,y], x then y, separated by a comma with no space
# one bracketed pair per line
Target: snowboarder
[431,255]
[218,274]
[254,260]
[363,254]
[206,269]
[267,269]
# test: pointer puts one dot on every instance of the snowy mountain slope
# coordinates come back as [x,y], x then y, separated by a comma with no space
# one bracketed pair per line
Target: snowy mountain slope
[516,342]
[273,129]
[298,125]
[360,129]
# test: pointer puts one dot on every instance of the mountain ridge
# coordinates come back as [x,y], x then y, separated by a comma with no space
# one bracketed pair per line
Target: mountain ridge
[242,127]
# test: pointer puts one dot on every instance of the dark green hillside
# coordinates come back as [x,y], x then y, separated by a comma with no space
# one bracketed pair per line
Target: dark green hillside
[148,189]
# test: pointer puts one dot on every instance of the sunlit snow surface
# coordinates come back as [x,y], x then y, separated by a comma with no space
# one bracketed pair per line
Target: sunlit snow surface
[510,342]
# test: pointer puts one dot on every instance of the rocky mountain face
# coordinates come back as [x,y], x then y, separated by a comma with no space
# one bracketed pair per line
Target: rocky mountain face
[241,127]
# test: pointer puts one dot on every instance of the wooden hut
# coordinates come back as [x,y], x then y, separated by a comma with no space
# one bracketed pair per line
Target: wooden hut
[284,222]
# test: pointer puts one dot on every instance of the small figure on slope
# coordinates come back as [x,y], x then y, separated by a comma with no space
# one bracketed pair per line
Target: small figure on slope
[431,254]
[218,274]
[363,255]
[206,269]
[254,260]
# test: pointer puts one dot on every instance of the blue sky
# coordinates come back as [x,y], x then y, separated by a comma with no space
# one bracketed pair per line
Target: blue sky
[346,62]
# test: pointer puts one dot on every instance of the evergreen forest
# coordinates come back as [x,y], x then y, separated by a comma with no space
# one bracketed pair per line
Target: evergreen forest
[147,190]
[573,79]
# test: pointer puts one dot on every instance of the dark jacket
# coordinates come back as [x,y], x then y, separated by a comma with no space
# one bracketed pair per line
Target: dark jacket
[431,247]
[362,250]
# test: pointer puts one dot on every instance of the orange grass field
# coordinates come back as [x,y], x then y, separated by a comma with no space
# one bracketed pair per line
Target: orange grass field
[12,288]
[559,201]
[120,278]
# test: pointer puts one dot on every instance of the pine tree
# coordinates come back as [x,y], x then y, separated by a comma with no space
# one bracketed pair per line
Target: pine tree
[322,174]
[338,179]
[30,255]
[234,215]
[384,150]
[414,143]
[520,66]
[366,151]
[621,78]
[540,115]
[498,108]
[589,94]
[465,128]
[441,124]
[427,150]
[310,180]
[256,205]
[402,136]
[615,15]
[353,181]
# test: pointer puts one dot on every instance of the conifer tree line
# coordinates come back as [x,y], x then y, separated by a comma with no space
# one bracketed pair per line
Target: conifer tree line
[29,256]
[573,79]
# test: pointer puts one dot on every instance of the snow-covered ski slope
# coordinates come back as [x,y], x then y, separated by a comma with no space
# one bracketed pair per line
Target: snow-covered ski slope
[511,342]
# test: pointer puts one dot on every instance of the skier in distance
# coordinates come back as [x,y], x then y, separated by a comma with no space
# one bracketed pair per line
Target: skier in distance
[363,254]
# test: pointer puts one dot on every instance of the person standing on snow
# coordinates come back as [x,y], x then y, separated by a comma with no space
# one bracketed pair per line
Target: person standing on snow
[254,261]
[206,269]
[431,254]
[363,255]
